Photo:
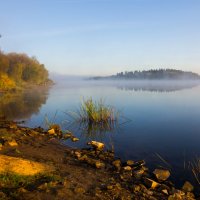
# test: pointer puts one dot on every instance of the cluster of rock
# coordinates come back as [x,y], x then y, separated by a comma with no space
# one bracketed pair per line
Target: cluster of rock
[55,131]
[134,176]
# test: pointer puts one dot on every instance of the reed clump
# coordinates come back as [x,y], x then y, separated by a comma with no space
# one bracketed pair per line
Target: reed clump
[97,112]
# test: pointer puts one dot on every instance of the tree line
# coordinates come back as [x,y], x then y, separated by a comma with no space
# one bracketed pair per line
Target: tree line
[19,70]
[157,74]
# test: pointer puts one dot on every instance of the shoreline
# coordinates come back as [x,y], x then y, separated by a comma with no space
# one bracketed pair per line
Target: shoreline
[90,173]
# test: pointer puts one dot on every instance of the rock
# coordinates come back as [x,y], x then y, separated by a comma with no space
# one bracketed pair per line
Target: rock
[33,133]
[188,187]
[51,131]
[175,191]
[164,191]
[138,173]
[99,164]
[13,126]
[151,183]
[96,145]
[190,195]
[96,163]
[79,190]
[43,186]
[67,136]
[117,164]
[12,143]
[130,162]
[127,168]
[175,196]
[109,187]
[77,154]
[126,176]
[83,158]
[149,193]
[56,128]
[161,174]
[74,139]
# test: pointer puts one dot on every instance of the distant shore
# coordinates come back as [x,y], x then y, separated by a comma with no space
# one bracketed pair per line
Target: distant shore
[153,74]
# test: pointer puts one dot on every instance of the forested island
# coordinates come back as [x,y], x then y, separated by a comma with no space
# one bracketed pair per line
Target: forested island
[19,71]
[153,74]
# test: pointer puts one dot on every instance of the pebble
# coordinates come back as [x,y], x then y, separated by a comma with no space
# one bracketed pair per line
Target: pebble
[188,187]
[130,162]
[74,139]
[127,168]
[99,164]
[151,183]
[117,164]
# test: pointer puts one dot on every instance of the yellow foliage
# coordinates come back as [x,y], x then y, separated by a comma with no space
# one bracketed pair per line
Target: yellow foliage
[6,83]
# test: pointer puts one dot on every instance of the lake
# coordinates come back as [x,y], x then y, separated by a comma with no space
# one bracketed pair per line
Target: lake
[159,121]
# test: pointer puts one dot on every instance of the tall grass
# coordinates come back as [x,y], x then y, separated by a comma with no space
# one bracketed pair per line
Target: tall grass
[95,112]
[94,118]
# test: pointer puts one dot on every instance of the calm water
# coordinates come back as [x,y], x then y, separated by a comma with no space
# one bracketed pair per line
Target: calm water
[157,118]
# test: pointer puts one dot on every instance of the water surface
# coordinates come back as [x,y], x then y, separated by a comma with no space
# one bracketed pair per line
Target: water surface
[162,118]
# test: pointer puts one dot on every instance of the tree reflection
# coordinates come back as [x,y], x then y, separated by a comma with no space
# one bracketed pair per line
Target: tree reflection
[157,86]
[23,104]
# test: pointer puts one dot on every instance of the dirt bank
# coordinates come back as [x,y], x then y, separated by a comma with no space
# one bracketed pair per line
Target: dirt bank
[74,173]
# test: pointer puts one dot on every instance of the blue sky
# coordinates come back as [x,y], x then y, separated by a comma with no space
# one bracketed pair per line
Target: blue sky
[103,37]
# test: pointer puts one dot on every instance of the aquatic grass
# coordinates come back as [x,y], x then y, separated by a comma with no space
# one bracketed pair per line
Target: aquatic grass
[48,123]
[95,112]
[94,119]
[167,164]
[195,167]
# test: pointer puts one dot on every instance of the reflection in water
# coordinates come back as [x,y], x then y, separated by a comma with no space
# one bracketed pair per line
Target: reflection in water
[157,86]
[23,104]
[167,123]
[102,132]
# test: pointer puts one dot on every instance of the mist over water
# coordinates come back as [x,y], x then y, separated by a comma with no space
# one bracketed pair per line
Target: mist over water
[161,117]
[136,85]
